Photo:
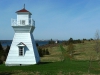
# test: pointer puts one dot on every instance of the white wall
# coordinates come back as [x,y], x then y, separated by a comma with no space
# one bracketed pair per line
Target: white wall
[23,16]
[31,54]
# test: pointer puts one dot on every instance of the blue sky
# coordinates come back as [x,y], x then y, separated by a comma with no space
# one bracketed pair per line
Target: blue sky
[56,19]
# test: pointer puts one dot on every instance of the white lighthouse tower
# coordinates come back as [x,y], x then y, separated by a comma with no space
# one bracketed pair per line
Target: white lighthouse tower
[23,49]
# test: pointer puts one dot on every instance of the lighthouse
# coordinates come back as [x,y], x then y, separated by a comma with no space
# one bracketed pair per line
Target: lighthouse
[23,50]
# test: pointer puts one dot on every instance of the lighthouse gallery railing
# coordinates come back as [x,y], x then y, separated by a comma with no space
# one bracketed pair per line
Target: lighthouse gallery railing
[15,22]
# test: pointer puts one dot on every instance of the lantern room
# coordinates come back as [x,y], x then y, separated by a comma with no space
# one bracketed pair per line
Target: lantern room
[23,18]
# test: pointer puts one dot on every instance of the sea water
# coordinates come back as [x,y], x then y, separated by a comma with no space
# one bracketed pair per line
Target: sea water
[8,42]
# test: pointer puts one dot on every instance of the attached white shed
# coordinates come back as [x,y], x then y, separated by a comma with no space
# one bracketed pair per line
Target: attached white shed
[23,50]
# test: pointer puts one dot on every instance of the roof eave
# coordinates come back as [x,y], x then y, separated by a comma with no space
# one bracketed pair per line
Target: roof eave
[23,13]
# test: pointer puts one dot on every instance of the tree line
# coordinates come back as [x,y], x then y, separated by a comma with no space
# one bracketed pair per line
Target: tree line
[3,53]
[75,41]
[43,52]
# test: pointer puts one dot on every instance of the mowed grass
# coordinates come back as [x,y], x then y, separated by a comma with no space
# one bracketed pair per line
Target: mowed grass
[53,68]
[52,64]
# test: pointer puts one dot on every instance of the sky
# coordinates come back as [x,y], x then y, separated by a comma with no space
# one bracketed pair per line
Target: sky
[54,19]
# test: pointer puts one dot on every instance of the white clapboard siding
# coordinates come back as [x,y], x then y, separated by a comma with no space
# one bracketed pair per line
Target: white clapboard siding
[31,55]
[23,27]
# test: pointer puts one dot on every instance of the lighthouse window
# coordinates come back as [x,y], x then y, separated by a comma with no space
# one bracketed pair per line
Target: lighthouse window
[20,51]
[23,22]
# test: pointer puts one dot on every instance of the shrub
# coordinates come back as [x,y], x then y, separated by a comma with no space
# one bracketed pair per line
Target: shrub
[1,48]
[70,49]
[51,42]
[37,44]
[1,62]
[40,52]
[47,52]
[3,58]
[65,42]
[7,49]
[71,40]
[43,52]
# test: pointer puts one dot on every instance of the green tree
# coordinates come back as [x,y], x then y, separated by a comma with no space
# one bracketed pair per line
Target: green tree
[1,48]
[97,45]
[7,49]
[37,44]
[3,58]
[1,61]
[70,50]
[97,49]
[71,40]
[97,42]
[40,52]
[47,52]
[51,42]
[43,52]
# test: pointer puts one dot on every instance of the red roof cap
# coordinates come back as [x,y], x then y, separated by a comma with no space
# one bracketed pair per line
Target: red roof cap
[23,10]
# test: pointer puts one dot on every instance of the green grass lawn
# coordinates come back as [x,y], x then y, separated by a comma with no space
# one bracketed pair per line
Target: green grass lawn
[52,64]
[53,68]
